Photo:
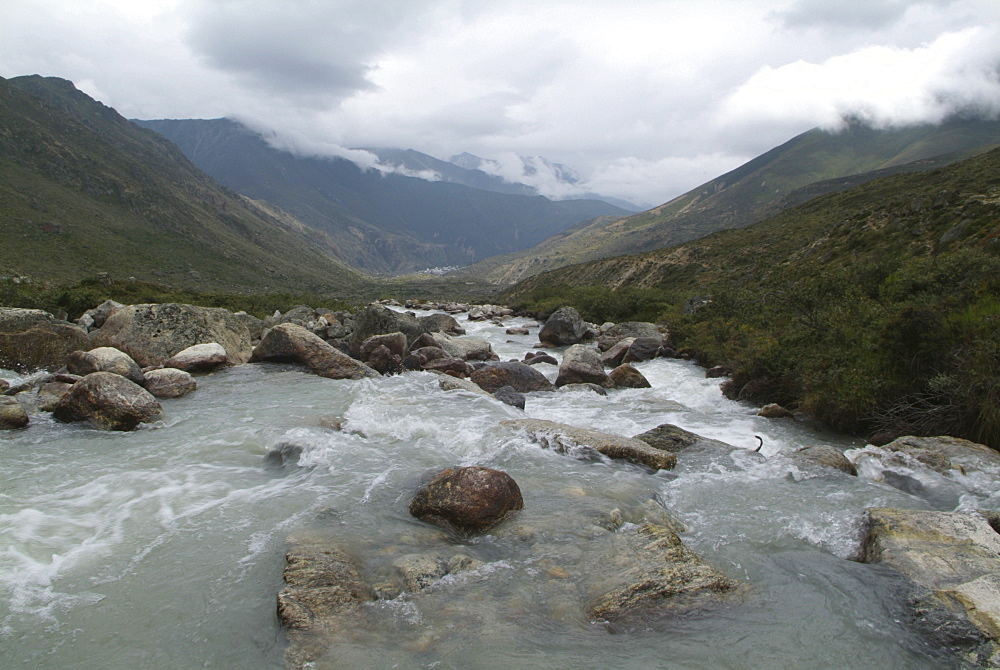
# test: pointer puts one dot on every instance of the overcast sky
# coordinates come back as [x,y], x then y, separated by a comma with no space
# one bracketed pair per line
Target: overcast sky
[644,98]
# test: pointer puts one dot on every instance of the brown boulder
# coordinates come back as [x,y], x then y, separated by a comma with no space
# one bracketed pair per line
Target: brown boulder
[582,365]
[522,378]
[467,499]
[290,343]
[12,415]
[32,339]
[627,377]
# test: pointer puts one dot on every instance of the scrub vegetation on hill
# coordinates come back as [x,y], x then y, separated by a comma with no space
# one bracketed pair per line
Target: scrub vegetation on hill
[877,310]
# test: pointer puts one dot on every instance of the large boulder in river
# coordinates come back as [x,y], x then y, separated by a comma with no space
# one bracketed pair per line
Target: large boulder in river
[12,414]
[675,439]
[151,334]
[563,327]
[945,453]
[104,359]
[643,349]
[32,339]
[582,365]
[379,320]
[522,378]
[647,570]
[563,438]
[951,561]
[823,455]
[467,499]
[291,343]
[199,358]
[109,402]
[629,329]
[170,383]
[441,323]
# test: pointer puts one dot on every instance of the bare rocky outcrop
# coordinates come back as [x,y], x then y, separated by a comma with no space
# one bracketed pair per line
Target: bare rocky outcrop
[561,437]
[582,365]
[31,339]
[104,359]
[199,358]
[109,402]
[522,378]
[648,570]
[151,334]
[291,343]
[170,383]
[951,561]
[467,499]
[563,327]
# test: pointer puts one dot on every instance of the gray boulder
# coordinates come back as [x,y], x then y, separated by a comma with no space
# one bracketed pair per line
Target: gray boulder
[170,383]
[418,571]
[254,325]
[441,323]
[563,438]
[627,377]
[379,320]
[643,349]
[95,318]
[630,329]
[522,378]
[31,339]
[50,393]
[467,499]
[648,570]
[944,453]
[109,402]
[151,334]
[674,439]
[508,396]
[613,356]
[449,383]
[104,359]
[951,561]
[290,343]
[199,358]
[582,365]
[394,342]
[563,327]
[12,414]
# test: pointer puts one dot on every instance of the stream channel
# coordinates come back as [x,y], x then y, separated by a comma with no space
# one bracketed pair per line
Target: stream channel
[164,547]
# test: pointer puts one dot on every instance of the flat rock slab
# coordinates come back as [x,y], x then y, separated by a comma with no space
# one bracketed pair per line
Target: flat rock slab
[653,572]
[952,560]
[562,437]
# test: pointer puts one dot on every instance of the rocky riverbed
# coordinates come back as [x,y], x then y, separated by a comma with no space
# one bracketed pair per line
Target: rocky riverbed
[262,515]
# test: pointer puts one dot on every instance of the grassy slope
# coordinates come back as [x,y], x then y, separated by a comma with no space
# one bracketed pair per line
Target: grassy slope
[83,191]
[875,309]
[806,166]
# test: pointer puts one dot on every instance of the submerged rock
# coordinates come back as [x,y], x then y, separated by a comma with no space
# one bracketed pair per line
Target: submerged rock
[289,343]
[467,499]
[12,414]
[653,572]
[823,455]
[109,402]
[561,437]
[322,598]
[104,359]
[152,333]
[509,396]
[415,572]
[952,563]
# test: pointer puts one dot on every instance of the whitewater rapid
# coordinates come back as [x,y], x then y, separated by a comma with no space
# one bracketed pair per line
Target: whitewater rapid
[164,547]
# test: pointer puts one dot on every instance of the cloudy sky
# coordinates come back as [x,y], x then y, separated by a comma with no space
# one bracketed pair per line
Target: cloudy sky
[645,98]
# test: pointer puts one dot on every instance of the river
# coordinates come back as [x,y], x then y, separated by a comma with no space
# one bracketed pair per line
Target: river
[164,547]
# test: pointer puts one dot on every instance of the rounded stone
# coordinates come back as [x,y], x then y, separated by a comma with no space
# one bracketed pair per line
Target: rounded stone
[467,499]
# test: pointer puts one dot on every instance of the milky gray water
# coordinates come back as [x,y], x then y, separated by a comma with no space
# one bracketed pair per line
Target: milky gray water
[164,547]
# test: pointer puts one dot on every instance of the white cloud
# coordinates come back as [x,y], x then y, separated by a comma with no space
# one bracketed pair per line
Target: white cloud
[641,98]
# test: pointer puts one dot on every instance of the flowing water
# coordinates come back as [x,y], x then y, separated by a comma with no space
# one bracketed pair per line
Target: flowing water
[164,547]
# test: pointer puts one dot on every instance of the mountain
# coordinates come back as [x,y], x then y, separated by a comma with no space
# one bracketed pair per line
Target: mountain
[808,165]
[84,191]
[383,222]
[874,309]
[416,162]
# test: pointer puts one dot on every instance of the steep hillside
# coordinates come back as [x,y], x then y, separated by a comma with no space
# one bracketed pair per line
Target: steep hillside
[810,164]
[84,191]
[388,223]
[875,309]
